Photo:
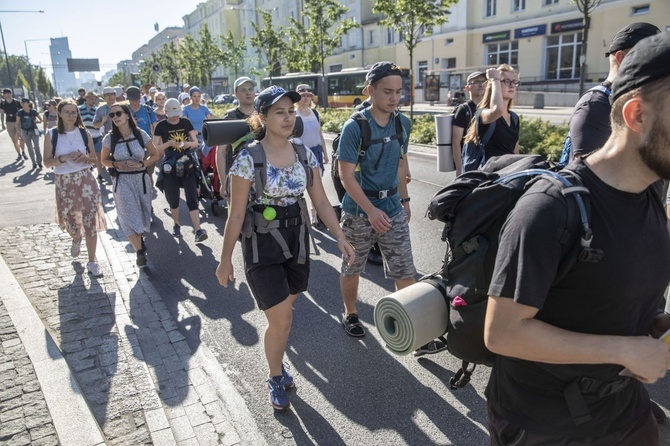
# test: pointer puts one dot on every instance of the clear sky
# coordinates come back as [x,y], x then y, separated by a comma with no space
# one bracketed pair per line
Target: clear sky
[107,30]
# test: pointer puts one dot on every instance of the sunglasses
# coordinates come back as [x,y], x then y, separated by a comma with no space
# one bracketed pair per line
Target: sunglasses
[118,114]
[305,90]
[509,82]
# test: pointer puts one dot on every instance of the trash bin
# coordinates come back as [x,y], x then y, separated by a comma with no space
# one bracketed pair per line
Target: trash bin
[539,101]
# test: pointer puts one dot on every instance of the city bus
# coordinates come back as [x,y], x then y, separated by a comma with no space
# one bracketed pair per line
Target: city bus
[345,88]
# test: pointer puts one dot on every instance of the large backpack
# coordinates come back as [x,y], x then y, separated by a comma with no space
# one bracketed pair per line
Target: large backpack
[366,141]
[566,154]
[474,208]
[254,222]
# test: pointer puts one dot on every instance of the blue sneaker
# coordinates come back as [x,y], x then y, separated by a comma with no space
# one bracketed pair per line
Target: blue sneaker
[288,379]
[278,397]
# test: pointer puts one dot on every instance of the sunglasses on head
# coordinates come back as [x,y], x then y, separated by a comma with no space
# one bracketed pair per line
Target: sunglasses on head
[118,114]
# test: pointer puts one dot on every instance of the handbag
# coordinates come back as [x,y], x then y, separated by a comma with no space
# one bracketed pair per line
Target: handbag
[473,155]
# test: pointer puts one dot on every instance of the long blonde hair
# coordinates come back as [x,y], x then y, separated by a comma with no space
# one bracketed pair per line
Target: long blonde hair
[471,135]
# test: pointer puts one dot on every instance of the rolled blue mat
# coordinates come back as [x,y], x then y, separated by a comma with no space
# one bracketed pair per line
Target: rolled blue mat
[413,316]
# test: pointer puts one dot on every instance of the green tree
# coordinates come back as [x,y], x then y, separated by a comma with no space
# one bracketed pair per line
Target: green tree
[209,55]
[413,20]
[168,58]
[16,64]
[296,54]
[233,52]
[42,82]
[324,30]
[119,78]
[188,59]
[269,42]
[21,80]
[586,7]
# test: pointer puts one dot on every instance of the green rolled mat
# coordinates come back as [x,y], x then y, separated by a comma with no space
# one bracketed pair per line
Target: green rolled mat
[413,316]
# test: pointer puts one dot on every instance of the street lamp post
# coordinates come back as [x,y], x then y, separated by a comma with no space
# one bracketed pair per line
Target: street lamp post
[30,70]
[4,47]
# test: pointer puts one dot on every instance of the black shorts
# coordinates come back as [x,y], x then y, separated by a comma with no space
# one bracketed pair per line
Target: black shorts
[274,277]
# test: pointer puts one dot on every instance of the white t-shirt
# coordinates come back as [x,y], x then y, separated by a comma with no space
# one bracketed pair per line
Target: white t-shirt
[67,143]
[311,134]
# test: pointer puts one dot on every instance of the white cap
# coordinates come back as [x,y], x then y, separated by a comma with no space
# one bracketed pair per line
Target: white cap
[172,108]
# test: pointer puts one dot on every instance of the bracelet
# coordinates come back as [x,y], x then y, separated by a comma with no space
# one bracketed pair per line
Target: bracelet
[60,160]
[114,164]
[142,163]
[405,200]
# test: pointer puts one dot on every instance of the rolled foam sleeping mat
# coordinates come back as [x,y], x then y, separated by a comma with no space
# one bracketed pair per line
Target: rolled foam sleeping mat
[219,132]
[413,316]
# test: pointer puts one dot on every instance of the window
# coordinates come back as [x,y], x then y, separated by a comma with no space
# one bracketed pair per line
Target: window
[504,52]
[550,2]
[390,40]
[336,68]
[562,56]
[639,10]
[490,8]
[446,63]
[448,42]
[518,5]
[423,67]
[371,37]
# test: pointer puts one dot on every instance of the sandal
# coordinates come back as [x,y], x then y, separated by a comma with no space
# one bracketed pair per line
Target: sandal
[352,325]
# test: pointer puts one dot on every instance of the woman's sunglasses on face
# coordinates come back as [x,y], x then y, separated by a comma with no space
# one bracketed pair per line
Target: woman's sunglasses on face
[118,114]
[305,90]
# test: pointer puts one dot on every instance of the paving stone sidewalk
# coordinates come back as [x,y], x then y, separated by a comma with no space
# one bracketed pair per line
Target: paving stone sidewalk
[138,375]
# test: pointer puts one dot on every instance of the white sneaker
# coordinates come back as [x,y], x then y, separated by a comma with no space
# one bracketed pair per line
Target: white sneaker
[94,269]
[75,249]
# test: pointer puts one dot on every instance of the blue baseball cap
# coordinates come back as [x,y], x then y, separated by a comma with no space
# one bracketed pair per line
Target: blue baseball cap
[271,95]
[193,90]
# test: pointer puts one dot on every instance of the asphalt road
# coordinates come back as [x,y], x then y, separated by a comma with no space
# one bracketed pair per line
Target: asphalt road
[349,391]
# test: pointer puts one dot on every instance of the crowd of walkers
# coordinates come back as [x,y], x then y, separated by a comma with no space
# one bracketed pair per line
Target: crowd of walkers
[544,346]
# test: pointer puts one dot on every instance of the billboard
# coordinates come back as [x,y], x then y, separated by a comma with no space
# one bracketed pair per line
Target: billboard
[83,65]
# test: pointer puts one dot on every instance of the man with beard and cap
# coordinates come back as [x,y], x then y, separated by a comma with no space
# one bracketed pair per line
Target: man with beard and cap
[573,353]
[590,121]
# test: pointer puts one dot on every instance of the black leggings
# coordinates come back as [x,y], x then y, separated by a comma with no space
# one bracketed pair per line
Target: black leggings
[171,185]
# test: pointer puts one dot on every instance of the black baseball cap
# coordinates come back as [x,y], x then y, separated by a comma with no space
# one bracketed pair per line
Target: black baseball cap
[380,70]
[271,95]
[646,62]
[629,36]
[133,93]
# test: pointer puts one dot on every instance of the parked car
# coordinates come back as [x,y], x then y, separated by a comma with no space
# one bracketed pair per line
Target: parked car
[224,99]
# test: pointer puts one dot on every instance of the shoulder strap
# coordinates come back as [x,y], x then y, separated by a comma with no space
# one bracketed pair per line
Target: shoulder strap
[84,136]
[138,137]
[260,167]
[489,131]
[601,88]
[366,133]
[316,113]
[399,129]
[54,140]
[301,150]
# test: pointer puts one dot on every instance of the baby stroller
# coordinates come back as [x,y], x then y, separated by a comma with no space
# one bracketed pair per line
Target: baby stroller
[208,178]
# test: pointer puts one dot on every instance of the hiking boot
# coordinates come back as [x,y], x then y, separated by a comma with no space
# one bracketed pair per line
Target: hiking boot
[352,325]
[278,398]
[287,378]
[75,248]
[375,256]
[176,231]
[94,269]
[431,348]
[141,258]
[200,235]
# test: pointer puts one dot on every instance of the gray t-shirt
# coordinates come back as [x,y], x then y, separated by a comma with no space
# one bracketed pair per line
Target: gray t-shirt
[102,111]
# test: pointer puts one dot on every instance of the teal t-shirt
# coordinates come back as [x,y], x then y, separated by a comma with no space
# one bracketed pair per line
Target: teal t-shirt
[379,168]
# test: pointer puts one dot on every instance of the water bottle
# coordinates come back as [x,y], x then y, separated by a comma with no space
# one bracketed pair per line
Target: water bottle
[179,167]
[167,168]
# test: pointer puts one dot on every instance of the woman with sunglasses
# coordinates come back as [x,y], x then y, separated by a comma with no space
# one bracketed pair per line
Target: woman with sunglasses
[78,201]
[129,150]
[312,136]
[496,107]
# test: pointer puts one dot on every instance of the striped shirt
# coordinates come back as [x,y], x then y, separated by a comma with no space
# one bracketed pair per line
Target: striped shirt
[87,115]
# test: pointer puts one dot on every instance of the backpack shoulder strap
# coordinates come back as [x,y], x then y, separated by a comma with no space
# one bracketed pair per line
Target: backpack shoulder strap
[54,140]
[316,113]
[260,167]
[366,134]
[301,150]
[84,136]
[489,131]
[138,137]
[399,129]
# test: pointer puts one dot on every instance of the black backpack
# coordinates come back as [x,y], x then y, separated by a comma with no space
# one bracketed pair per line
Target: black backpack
[474,208]
[366,141]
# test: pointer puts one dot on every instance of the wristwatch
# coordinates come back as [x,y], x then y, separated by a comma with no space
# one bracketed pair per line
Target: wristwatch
[405,200]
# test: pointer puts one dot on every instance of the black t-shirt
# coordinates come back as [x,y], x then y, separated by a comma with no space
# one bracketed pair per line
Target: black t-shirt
[590,122]
[461,116]
[619,295]
[81,100]
[504,138]
[235,113]
[11,109]
[179,132]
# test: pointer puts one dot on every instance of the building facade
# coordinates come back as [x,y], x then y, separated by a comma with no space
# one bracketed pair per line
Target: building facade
[63,80]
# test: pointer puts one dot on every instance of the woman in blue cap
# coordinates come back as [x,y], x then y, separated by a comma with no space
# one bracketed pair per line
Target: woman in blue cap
[275,240]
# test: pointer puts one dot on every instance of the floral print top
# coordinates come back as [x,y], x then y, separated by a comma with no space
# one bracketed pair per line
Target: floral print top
[284,184]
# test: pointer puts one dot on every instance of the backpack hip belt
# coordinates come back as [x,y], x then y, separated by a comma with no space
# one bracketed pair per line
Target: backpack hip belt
[380,193]
[132,172]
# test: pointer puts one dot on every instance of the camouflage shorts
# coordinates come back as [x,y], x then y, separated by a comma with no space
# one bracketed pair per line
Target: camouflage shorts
[395,245]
